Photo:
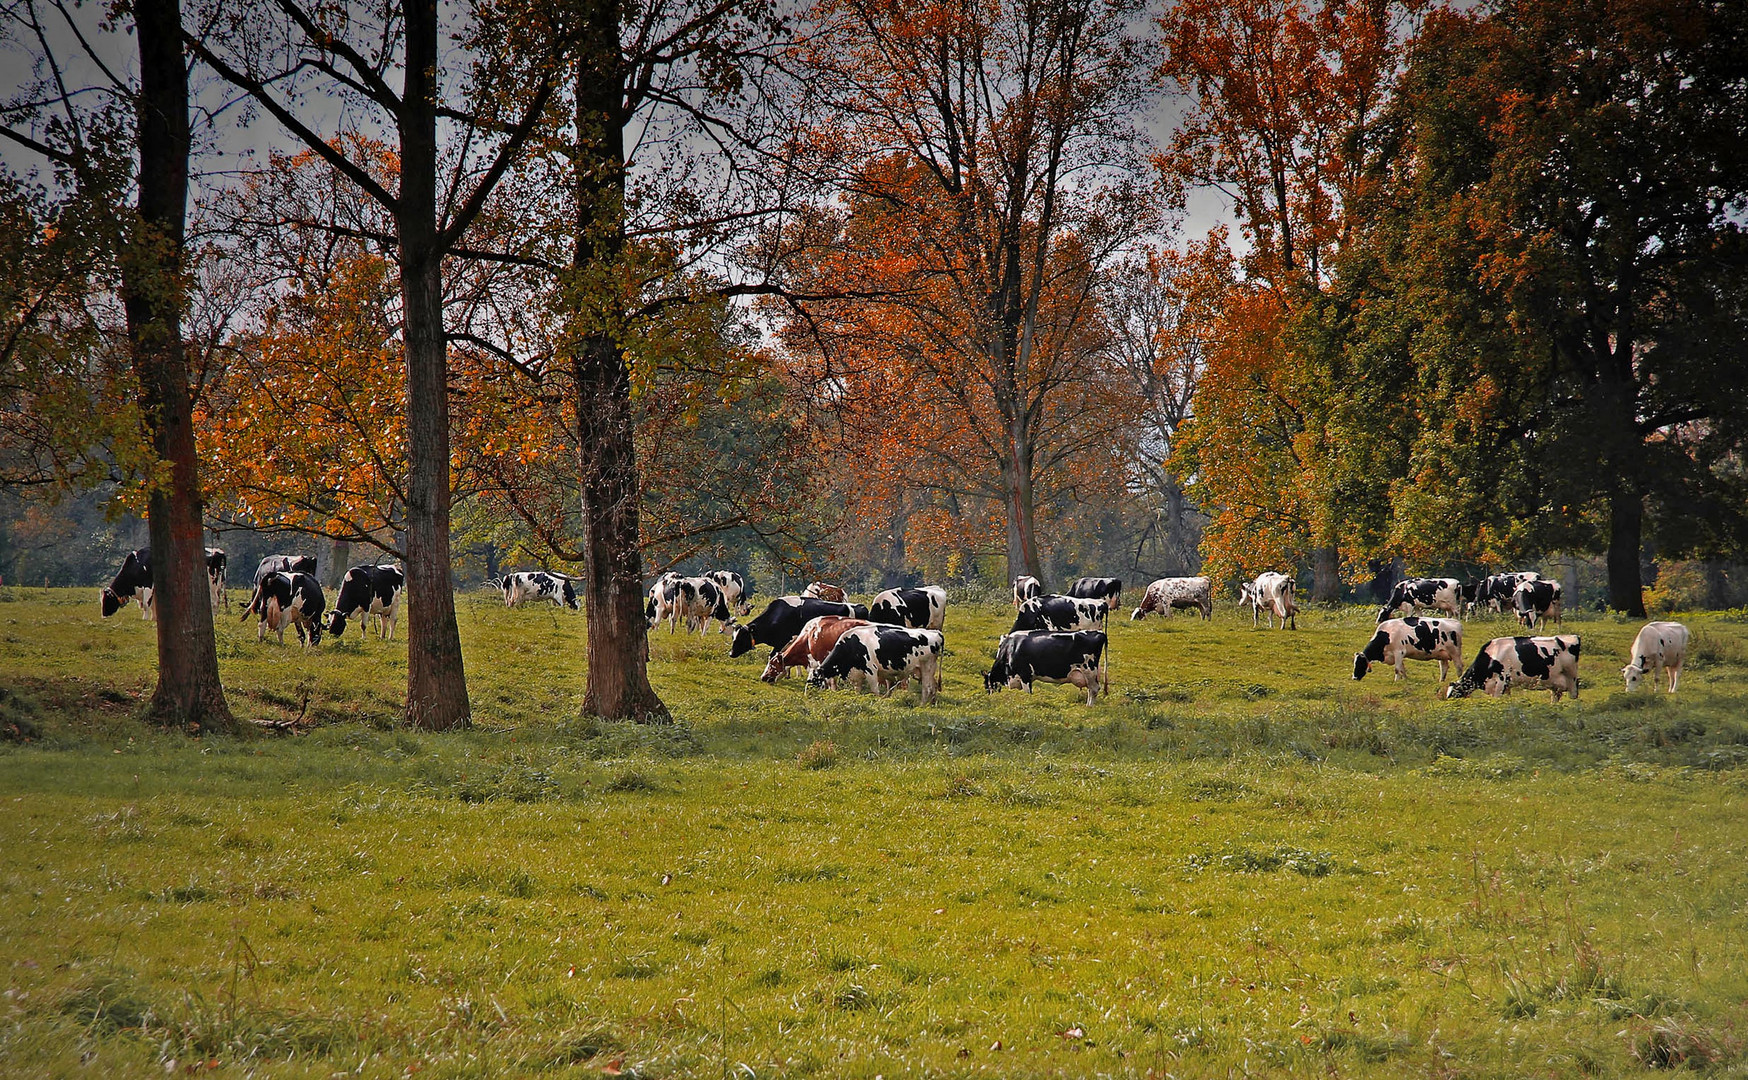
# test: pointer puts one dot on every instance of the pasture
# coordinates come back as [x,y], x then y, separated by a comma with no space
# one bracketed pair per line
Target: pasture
[1242,863]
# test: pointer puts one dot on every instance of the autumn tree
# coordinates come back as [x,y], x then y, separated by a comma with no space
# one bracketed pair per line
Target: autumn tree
[985,155]
[119,150]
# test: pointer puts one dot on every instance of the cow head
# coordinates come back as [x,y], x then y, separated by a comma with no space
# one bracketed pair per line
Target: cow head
[775,668]
[337,623]
[1138,613]
[742,642]
[570,595]
[1360,665]
[1633,672]
[111,602]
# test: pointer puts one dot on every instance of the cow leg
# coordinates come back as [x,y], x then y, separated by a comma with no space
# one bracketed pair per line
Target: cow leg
[1674,676]
[1401,666]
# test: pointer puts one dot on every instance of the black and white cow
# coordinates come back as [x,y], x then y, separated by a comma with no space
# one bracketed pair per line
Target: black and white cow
[1540,663]
[215,578]
[367,591]
[528,585]
[1413,638]
[662,595]
[1026,587]
[1272,593]
[1437,593]
[1176,592]
[919,609]
[1495,591]
[277,564]
[132,582]
[1040,656]
[783,619]
[734,590]
[1060,614]
[882,652]
[1536,602]
[697,601]
[1659,645]
[1108,589]
[294,600]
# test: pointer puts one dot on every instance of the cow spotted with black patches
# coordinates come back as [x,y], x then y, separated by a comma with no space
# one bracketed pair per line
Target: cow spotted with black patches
[661,599]
[1060,614]
[367,591]
[783,619]
[1437,594]
[132,582]
[1108,589]
[294,600]
[1272,594]
[518,588]
[810,647]
[886,655]
[1494,592]
[919,609]
[1539,663]
[734,590]
[1659,645]
[277,564]
[1413,638]
[215,578]
[698,601]
[821,590]
[1536,602]
[1167,594]
[1025,588]
[1040,656]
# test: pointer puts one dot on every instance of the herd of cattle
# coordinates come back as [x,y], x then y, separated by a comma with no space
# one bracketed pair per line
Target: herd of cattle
[897,636]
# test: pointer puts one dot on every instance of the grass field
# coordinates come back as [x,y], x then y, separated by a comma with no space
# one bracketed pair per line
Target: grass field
[1243,863]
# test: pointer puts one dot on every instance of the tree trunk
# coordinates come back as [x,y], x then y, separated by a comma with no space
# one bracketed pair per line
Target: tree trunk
[1626,522]
[618,685]
[339,554]
[436,680]
[1326,574]
[189,692]
[1022,527]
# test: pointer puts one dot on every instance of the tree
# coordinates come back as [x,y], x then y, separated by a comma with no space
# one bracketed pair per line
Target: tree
[146,246]
[987,156]
[340,54]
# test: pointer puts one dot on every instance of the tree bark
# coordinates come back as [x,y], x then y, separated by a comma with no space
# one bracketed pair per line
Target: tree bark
[618,686]
[189,692]
[436,679]
[1021,512]
[1326,574]
[1626,524]
[339,554]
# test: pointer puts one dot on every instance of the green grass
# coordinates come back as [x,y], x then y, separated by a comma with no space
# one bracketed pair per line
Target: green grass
[1242,863]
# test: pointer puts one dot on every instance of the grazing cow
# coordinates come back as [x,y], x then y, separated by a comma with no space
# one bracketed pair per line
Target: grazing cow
[783,620]
[367,591]
[132,582]
[277,564]
[1271,593]
[215,578]
[810,647]
[1176,592]
[1040,656]
[819,590]
[1438,593]
[1413,638]
[919,609]
[1540,663]
[661,598]
[885,652]
[1108,589]
[294,600]
[536,585]
[734,590]
[1025,588]
[1536,602]
[1659,645]
[1495,591]
[1060,614]
[698,600]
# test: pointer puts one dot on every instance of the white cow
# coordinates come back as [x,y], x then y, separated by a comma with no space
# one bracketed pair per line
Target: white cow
[1659,645]
[1271,593]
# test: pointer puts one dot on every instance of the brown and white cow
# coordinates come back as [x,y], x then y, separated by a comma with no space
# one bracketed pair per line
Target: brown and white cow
[811,647]
[1659,645]
[1272,593]
[819,590]
[1176,592]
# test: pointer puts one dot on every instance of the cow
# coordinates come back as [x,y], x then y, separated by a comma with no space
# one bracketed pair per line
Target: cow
[886,652]
[810,647]
[1536,602]
[528,585]
[1025,588]
[215,578]
[783,620]
[1176,592]
[1060,614]
[367,591]
[277,564]
[1041,656]
[132,582]
[1659,645]
[1273,593]
[1438,593]
[1495,591]
[1541,663]
[734,590]
[1413,638]
[661,598]
[1108,589]
[919,609]
[294,600]
[698,600]
[819,590]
